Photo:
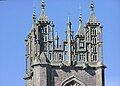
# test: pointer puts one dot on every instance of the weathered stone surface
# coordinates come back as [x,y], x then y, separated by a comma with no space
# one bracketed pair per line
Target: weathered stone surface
[87,76]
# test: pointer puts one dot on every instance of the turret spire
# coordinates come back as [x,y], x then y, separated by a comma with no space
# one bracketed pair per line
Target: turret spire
[69,40]
[92,6]
[80,27]
[92,18]
[43,16]
[57,40]
[68,19]
[34,15]
[69,23]
[43,7]
[80,18]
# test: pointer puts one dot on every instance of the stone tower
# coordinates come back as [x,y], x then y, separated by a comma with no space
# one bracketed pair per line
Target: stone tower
[77,62]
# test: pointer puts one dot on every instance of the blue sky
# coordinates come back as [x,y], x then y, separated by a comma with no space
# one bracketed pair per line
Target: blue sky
[16,21]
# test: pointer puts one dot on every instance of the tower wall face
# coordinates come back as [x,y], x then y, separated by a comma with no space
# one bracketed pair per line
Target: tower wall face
[100,77]
[29,82]
[77,62]
[40,76]
[59,76]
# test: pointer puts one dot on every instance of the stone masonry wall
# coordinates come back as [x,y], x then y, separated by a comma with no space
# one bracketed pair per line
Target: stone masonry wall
[87,76]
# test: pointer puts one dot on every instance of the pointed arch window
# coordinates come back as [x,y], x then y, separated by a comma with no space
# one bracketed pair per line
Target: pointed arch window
[50,47]
[42,30]
[87,36]
[93,31]
[65,56]
[72,81]
[45,46]
[81,44]
[66,47]
[82,57]
[50,33]
[50,56]
[60,57]
[94,58]
[45,30]
[99,36]
[94,40]
[45,39]
[94,48]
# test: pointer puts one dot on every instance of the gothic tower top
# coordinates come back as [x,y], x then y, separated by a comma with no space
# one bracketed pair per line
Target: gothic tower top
[84,48]
[77,61]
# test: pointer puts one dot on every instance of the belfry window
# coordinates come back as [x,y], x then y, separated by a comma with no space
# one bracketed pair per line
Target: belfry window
[95,57]
[50,55]
[50,46]
[93,48]
[42,30]
[60,57]
[99,37]
[66,47]
[45,30]
[94,40]
[50,34]
[65,56]
[82,57]
[93,31]
[45,46]
[81,44]
[87,38]
[45,39]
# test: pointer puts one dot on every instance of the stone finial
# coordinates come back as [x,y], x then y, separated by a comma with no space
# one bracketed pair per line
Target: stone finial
[80,18]
[92,5]
[34,14]
[69,23]
[43,5]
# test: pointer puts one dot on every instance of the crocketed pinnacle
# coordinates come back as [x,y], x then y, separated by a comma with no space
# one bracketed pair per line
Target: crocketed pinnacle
[92,18]
[43,16]
[34,16]
[81,27]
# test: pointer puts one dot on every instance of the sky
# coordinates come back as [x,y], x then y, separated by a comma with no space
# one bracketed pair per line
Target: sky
[16,22]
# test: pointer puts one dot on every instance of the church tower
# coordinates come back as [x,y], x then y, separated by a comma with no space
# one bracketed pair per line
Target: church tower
[77,62]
